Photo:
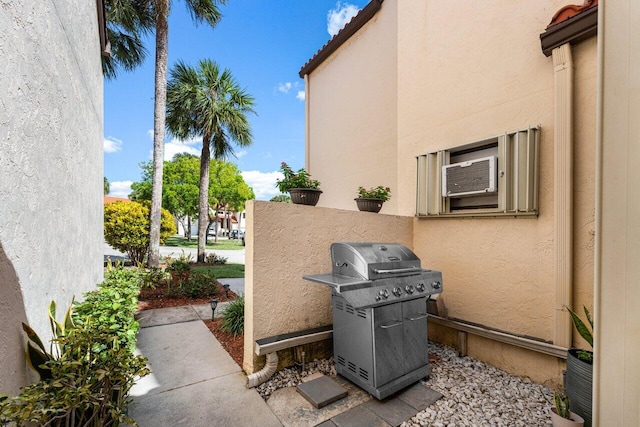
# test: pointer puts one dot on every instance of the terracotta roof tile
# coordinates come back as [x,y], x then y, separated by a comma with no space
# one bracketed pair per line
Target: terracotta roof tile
[570,11]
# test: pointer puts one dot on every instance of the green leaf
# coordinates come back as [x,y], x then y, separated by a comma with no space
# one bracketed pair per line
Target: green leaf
[581,327]
[586,312]
[37,361]
[31,334]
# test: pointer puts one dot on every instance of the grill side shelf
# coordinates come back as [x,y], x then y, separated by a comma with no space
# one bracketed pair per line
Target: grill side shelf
[339,282]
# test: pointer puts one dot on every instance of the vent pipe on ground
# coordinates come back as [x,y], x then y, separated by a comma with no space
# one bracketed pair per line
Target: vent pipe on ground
[265,373]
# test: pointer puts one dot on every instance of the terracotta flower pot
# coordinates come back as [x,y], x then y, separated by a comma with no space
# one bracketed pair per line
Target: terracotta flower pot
[305,196]
[369,205]
[575,420]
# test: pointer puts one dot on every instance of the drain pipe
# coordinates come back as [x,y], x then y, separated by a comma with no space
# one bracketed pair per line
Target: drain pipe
[265,373]
[563,193]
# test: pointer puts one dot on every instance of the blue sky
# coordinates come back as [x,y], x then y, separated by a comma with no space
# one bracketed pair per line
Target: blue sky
[264,43]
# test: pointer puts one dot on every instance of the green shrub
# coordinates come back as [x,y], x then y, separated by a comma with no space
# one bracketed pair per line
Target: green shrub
[151,277]
[200,284]
[233,322]
[213,259]
[126,228]
[87,374]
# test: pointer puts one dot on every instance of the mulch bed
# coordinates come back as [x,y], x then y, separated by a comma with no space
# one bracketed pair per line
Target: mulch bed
[233,345]
[158,298]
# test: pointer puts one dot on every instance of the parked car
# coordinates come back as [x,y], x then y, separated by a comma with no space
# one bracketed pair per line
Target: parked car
[236,234]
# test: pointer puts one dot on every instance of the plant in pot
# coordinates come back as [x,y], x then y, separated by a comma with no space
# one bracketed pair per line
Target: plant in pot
[579,375]
[371,200]
[303,189]
[561,415]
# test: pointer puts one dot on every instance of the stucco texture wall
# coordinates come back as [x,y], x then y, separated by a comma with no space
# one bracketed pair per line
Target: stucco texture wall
[285,242]
[352,104]
[467,71]
[50,166]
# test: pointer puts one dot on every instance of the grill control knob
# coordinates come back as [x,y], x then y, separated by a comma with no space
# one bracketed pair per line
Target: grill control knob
[409,289]
[436,284]
[397,291]
[420,287]
[384,293]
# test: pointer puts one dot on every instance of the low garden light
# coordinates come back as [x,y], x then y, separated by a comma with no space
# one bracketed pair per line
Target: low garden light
[226,289]
[214,304]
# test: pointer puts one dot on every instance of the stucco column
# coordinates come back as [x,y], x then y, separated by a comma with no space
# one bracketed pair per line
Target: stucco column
[563,192]
[307,126]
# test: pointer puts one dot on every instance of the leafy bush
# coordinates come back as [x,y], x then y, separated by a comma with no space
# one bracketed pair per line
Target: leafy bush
[151,277]
[213,259]
[233,322]
[200,284]
[87,375]
[126,228]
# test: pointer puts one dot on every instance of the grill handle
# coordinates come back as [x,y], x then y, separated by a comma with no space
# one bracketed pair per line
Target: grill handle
[397,270]
[390,326]
[416,318]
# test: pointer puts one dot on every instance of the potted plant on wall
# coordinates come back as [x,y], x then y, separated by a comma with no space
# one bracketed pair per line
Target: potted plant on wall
[579,375]
[561,415]
[303,189]
[371,200]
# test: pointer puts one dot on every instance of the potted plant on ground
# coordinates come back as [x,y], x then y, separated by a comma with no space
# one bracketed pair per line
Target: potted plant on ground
[303,189]
[561,415]
[371,200]
[579,375]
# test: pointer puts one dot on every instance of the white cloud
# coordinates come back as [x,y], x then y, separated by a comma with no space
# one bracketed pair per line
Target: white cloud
[120,188]
[284,87]
[300,95]
[263,183]
[338,17]
[175,146]
[111,144]
[150,133]
[241,153]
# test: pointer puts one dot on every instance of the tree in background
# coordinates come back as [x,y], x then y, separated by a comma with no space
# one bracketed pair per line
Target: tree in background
[281,198]
[107,186]
[201,11]
[179,187]
[207,102]
[227,192]
[126,228]
[127,22]
[227,188]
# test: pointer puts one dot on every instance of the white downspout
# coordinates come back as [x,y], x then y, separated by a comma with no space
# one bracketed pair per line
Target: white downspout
[265,373]
[563,193]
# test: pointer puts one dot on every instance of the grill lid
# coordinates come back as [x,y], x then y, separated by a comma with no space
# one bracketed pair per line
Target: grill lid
[371,261]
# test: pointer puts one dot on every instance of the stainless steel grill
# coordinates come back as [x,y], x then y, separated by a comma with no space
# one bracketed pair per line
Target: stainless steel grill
[379,303]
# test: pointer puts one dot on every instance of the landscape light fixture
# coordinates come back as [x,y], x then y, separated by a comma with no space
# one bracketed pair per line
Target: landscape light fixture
[214,304]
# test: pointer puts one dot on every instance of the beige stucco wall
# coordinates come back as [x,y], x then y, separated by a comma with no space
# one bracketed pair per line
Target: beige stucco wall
[352,105]
[285,242]
[467,71]
[50,167]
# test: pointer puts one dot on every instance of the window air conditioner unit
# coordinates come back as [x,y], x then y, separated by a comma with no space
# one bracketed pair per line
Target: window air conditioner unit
[470,178]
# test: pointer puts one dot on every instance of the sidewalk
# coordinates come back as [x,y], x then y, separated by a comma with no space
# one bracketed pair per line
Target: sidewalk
[194,382]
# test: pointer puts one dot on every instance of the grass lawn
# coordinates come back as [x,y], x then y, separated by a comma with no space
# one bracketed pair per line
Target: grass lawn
[223,243]
[225,271]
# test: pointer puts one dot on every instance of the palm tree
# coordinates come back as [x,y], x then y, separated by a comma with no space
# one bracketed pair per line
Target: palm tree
[208,103]
[201,11]
[127,22]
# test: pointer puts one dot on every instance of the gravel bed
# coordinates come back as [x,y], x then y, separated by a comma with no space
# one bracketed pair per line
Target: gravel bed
[477,394]
[474,393]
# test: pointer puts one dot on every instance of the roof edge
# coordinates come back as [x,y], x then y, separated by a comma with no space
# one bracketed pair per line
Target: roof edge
[343,35]
[572,30]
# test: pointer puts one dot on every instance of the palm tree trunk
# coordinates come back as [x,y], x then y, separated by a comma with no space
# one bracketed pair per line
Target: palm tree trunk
[162,47]
[203,198]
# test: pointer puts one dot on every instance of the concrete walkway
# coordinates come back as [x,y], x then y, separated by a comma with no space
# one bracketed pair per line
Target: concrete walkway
[194,381]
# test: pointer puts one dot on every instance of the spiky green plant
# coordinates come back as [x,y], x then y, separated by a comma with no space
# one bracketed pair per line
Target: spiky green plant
[562,404]
[233,322]
[584,332]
